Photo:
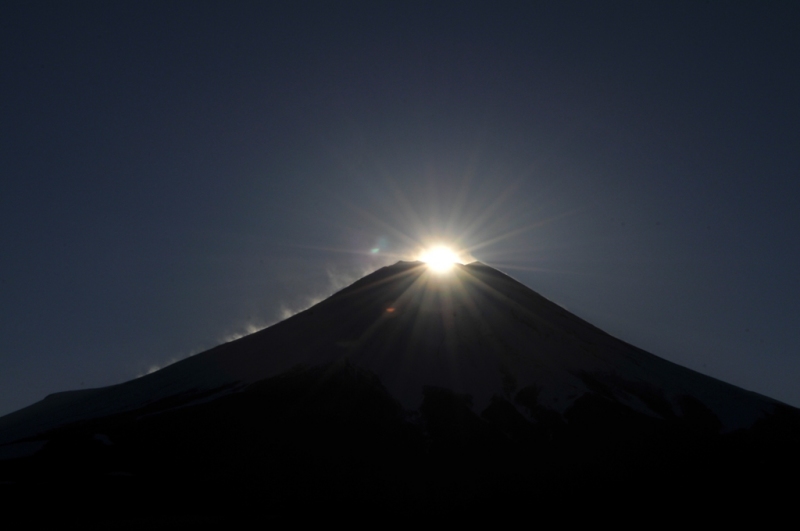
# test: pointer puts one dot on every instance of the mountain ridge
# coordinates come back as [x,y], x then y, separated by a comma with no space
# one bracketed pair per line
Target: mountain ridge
[395,285]
[380,298]
[408,388]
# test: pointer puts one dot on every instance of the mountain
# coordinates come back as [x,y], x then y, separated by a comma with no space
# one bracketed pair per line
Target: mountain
[412,392]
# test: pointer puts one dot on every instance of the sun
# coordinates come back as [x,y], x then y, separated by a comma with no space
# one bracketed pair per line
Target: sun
[439,258]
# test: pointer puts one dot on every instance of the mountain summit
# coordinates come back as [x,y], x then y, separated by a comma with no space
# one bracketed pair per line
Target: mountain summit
[410,387]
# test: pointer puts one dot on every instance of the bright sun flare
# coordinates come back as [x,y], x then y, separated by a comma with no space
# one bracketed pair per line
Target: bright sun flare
[439,258]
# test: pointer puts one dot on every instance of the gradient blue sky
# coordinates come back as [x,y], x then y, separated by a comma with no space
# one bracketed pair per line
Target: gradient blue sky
[174,175]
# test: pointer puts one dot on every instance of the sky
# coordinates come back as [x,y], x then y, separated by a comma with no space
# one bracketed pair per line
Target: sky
[177,174]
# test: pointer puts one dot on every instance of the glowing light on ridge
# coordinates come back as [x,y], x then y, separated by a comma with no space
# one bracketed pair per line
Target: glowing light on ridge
[440,258]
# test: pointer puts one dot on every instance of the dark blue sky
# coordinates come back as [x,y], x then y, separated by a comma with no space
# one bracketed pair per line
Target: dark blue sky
[173,175]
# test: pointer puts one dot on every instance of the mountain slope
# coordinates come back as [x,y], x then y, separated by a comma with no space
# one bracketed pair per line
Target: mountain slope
[475,331]
[404,388]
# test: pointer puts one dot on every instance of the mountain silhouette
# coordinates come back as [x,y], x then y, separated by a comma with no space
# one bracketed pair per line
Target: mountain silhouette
[409,392]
